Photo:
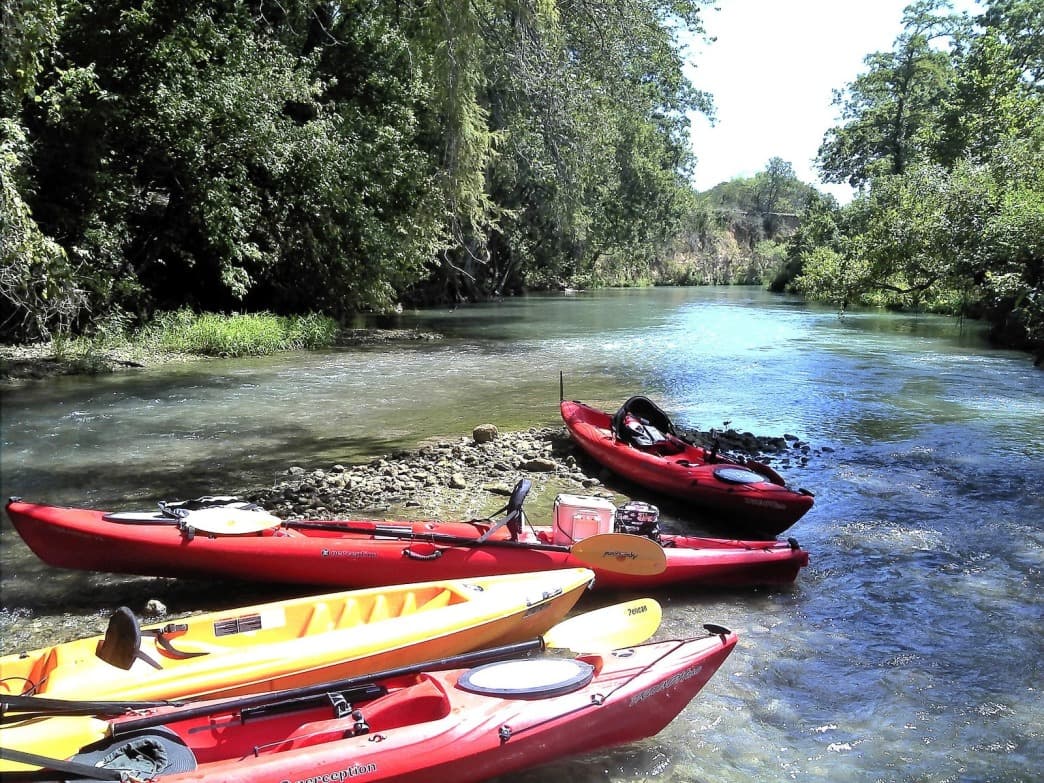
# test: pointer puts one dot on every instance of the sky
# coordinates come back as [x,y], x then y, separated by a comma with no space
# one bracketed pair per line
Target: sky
[772,72]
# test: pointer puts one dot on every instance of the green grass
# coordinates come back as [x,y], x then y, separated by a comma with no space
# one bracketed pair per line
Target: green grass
[254,334]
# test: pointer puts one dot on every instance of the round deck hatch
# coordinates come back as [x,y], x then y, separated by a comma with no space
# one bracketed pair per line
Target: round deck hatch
[738,475]
[531,678]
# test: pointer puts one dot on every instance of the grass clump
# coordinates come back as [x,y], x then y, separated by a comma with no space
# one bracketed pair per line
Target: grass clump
[250,334]
[115,343]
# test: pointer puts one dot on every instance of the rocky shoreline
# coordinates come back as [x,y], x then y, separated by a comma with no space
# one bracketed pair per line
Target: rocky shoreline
[41,361]
[469,477]
[466,477]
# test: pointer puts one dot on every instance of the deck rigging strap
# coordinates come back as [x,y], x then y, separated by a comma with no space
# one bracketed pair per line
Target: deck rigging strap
[56,765]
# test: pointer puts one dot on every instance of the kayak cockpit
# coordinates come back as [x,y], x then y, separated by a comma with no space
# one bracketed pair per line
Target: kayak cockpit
[369,709]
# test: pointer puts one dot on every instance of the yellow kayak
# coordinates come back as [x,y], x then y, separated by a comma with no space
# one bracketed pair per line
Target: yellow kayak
[283,644]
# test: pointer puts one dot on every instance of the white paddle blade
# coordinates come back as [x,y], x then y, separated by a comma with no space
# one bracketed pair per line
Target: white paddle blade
[226,521]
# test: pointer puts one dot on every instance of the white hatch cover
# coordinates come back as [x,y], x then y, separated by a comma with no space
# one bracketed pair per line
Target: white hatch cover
[738,475]
[527,678]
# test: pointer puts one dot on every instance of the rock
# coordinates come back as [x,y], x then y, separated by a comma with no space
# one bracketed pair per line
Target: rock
[485,433]
[155,608]
[498,489]
[457,481]
[540,465]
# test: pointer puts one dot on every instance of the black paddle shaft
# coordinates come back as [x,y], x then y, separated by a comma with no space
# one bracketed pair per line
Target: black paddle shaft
[464,660]
[432,537]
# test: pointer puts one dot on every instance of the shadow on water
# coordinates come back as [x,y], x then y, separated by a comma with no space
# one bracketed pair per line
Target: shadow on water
[99,483]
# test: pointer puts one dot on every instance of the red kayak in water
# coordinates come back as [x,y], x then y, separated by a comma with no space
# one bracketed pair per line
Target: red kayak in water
[356,554]
[639,444]
[463,725]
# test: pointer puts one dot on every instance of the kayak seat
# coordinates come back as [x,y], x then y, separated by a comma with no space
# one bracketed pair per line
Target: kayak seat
[122,643]
[409,706]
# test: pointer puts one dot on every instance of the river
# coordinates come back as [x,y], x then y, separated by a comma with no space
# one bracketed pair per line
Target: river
[910,649]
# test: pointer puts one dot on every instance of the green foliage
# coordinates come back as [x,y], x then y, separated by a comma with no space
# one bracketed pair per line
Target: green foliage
[307,156]
[818,227]
[888,111]
[40,292]
[252,334]
[590,116]
[958,226]
[28,29]
[737,232]
[831,276]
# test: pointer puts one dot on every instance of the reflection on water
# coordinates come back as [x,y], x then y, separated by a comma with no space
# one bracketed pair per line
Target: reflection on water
[909,650]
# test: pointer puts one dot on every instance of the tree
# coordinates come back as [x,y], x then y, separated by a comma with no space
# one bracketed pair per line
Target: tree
[952,212]
[818,228]
[997,86]
[40,295]
[343,156]
[214,158]
[888,109]
[587,109]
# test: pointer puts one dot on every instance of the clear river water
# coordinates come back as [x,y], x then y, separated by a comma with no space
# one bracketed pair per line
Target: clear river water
[911,647]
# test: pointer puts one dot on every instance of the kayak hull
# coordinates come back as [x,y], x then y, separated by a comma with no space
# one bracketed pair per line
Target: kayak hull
[288,644]
[432,727]
[83,539]
[763,508]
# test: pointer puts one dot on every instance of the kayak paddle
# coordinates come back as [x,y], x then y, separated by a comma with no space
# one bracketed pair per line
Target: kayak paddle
[621,553]
[216,520]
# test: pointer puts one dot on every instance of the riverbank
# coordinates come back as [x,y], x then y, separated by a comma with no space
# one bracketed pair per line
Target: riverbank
[40,361]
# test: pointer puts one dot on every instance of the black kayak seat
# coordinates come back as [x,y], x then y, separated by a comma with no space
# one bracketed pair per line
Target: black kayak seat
[642,423]
[122,643]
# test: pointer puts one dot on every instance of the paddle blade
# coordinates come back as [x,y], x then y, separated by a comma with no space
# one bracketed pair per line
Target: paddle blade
[225,521]
[622,553]
[619,625]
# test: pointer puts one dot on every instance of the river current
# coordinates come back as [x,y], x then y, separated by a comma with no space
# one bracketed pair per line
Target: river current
[911,647]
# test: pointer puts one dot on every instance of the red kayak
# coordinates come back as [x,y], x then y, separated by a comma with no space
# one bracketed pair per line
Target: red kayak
[356,554]
[639,444]
[460,725]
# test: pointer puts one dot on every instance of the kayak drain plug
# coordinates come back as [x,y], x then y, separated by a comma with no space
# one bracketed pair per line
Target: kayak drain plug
[505,733]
